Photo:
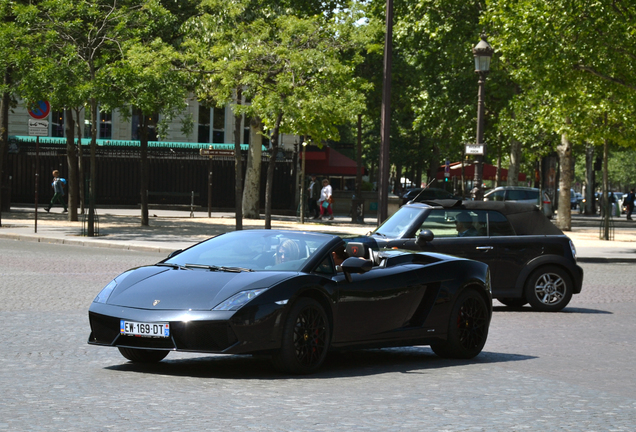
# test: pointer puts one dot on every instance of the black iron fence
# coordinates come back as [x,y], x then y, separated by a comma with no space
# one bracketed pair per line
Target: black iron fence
[174,175]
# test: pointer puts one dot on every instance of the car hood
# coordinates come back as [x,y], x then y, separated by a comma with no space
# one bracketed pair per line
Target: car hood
[161,288]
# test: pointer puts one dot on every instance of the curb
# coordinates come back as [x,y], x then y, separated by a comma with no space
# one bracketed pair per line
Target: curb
[93,243]
[166,250]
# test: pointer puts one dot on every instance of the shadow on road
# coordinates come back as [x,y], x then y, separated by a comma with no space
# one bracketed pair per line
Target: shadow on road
[337,365]
[567,310]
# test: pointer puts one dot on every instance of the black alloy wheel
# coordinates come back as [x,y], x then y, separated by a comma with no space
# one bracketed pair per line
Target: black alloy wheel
[143,355]
[305,340]
[549,289]
[468,328]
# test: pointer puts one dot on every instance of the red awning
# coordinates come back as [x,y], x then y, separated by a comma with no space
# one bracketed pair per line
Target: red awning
[329,162]
[490,172]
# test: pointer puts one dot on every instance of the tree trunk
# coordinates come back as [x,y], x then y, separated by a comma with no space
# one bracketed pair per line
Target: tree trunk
[564,218]
[90,229]
[515,161]
[80,163]
[432,169]
[359,167]
[71,161]
[238,164]
[251,190]
[144,174]
[269,186]
[589,180]
[606,204]
[4,132]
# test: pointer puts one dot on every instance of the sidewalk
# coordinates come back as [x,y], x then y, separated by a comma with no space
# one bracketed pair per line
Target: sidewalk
[170,230]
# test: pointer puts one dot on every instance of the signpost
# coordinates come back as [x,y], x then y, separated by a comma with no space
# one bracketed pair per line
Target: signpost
[212,153]
[474,149]
[38,127]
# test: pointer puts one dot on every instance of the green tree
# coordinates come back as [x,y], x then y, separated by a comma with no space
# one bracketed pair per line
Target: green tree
[296,71]
[147,79]
[88,37]
[574,63]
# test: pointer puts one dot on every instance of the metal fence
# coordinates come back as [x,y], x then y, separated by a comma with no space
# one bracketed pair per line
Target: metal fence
[174,174]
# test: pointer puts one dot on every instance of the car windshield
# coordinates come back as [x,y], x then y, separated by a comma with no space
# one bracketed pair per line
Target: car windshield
[396,225]
[250,250]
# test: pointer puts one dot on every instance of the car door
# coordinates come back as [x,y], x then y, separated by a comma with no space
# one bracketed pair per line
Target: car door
[375,304]
[448,240]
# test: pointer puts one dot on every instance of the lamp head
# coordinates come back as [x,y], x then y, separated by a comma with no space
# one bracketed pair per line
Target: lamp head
[483,53]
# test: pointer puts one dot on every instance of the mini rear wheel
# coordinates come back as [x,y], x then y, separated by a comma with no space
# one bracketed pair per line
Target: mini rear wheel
[143,355]
[549,289]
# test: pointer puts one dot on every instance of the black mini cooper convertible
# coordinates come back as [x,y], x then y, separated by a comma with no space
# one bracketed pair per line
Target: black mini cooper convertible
[530,259]
[295,296]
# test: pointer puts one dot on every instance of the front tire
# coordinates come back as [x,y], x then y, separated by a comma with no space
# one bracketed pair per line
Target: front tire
[306,338]
[467,328]
[143,355]
[549,289]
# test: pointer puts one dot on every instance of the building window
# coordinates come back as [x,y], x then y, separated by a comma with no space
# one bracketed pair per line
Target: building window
[104,124]
[214,117]
[246,129]
[152,126]
[57,124]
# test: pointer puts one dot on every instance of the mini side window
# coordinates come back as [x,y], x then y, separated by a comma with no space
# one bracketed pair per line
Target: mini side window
[499,225]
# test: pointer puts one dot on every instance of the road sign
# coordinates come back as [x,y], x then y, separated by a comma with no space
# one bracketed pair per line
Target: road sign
[215,152]
[40,110]
[474,149]
[38,127]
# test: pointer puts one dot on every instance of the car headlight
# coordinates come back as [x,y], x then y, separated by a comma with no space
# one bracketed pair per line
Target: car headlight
[238,300]
[103,295]
[573,250]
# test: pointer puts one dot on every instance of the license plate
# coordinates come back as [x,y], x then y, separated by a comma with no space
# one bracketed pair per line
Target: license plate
[131,328]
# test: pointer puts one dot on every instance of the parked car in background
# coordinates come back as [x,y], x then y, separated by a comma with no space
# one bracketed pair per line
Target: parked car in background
[426,194]
[530,259]
[520,194]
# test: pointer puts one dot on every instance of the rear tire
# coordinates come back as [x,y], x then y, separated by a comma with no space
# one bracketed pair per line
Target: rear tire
[467,328]
[306,338]
[549,289]
[143,355]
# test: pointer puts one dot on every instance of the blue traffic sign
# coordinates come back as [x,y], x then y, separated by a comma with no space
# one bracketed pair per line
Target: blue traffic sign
[40,110]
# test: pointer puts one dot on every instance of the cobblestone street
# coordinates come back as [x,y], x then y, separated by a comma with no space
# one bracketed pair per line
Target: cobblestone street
[568,371]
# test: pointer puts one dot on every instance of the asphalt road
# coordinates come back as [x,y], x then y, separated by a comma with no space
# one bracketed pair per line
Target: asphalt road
[568,371]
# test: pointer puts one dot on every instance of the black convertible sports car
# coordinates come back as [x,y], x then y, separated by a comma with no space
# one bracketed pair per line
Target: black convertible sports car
[530,259]
[294,295]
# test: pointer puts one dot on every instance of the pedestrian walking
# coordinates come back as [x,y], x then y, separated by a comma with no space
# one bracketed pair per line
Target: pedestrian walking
[629,203]
[314,192]
[326,199]
[58,191]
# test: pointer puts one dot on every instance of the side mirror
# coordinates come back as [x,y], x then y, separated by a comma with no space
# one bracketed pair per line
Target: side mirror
[425,236]
[175,253]
[355,265]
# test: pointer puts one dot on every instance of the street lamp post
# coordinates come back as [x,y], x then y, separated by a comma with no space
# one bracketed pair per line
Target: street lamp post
[482,53]
[302,185]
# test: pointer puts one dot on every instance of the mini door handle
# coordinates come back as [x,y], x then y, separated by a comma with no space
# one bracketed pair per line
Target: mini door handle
[484,247]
